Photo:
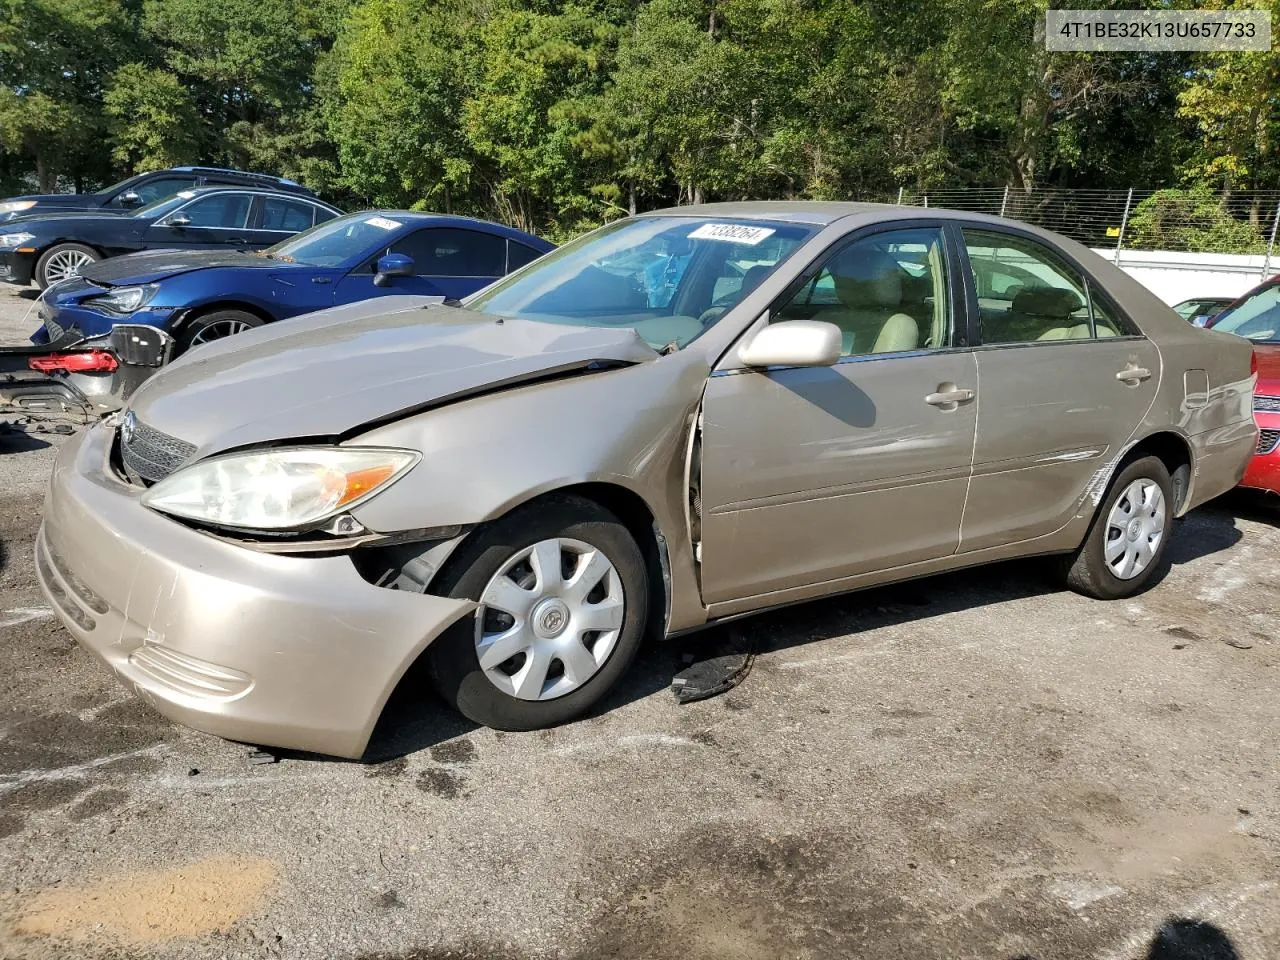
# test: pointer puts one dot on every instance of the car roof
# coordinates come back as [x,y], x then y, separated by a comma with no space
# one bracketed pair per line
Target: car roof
[446,219]
[250,188]
[248,174]
[786,211]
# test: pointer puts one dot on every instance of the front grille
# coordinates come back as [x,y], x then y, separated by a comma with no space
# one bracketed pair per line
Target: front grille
[150,454]
[1267,440]
[1267,404]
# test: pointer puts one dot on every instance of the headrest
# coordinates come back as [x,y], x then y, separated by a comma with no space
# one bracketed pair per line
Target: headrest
[867,278]
[753,276]
[1047,302]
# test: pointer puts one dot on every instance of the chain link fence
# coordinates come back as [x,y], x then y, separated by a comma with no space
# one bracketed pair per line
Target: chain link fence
[1176,220]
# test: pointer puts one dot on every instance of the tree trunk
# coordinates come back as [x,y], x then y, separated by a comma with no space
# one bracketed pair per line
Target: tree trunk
[43,174]
[631,198]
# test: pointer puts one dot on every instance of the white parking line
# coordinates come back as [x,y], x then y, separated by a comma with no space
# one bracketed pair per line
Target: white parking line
[11,781]
[17,615]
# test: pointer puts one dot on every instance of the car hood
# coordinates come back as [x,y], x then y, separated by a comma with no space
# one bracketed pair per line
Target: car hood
[56,221]
[156,265]
[327,374]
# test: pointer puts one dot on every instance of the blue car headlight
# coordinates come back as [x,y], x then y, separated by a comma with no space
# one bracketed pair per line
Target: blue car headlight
[123,299]
[10,240]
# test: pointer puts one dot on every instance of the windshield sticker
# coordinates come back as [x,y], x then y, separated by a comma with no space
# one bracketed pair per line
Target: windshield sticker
[186,194]
[383,222]
[732,232]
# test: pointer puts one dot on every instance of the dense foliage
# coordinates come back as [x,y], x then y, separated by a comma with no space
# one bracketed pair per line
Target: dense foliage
[555,114]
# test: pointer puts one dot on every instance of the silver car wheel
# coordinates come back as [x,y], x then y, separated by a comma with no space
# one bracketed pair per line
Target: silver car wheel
[64,265]
[1135,528]
[549,619]
[219,330]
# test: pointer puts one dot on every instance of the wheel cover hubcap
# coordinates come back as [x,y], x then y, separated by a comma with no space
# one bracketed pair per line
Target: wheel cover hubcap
[549,619]
[1135,529]
[65,264]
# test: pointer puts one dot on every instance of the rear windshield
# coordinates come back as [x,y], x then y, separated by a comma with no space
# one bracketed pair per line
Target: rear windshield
[1257,319]
[668,278]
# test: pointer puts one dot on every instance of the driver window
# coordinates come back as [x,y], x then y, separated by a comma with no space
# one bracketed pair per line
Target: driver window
[887,293]
[230,210]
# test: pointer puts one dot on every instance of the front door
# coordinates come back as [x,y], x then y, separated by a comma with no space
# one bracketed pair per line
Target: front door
[211,222]
[811,475]
[1066,380]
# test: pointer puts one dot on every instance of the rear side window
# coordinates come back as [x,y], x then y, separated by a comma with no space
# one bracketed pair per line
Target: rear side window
[1027,293]
[518,255]
[448,252]
[219,210]
[286,215]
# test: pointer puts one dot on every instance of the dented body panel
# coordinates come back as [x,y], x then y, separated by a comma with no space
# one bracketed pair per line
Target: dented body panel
[762,487]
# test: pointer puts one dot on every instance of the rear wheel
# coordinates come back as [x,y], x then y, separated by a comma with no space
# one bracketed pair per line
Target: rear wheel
[216,325]
[63,261]
[563,594]
[1124,550]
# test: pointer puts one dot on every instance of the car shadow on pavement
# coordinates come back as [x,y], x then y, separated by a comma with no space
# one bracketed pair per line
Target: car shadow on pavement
[1206,531]
[18,441]
[416,719]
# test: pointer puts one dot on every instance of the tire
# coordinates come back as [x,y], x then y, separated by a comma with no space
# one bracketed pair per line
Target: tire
[61,261]
[1088,570]
[482,565]
[215,325]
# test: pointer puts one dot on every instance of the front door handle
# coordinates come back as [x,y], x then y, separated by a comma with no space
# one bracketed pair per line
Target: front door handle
[949,398]
[1133,375]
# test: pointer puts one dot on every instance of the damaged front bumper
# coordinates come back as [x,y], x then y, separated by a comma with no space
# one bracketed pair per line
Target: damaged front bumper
[298,652]
[32,399]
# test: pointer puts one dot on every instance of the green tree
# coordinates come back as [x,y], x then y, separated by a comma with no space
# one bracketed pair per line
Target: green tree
[151,120]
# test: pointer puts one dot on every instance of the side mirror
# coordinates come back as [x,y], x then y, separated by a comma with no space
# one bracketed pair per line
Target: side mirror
[794,343]
[177,220]
[129,199]
[390,266]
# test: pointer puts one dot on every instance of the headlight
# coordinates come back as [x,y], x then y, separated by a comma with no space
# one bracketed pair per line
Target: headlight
[283,489]
[8,240]
[123,299]
[16,206]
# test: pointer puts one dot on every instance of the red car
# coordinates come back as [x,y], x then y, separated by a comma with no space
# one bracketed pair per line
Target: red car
[1256,316]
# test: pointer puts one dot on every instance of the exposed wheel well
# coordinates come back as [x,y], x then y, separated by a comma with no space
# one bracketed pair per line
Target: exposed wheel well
[1173,452]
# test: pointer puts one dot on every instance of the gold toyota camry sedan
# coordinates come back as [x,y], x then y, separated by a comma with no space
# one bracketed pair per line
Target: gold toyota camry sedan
[681,417]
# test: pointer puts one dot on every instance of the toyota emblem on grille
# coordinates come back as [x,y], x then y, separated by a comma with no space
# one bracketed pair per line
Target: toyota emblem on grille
[127,427]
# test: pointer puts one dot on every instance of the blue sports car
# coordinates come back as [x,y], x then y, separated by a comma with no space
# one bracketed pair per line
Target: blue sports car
[106,329]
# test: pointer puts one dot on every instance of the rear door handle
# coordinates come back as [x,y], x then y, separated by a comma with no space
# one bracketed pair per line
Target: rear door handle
[949,398]
[1133,375]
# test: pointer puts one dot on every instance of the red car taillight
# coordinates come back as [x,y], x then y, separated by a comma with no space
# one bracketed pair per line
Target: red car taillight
[92,361]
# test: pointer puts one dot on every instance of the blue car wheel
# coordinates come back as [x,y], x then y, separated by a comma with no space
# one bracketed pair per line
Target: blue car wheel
[216,325]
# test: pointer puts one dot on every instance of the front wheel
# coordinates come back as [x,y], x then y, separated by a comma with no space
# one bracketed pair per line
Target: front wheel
[1126,544]
[563,593]
[63,261]
[216,325]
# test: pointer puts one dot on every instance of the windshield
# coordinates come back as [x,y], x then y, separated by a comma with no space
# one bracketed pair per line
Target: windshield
[1258,318]
[158,208]
[337,241]
[668,278]
[117,186]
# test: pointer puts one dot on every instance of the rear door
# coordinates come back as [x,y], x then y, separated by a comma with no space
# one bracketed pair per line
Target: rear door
[279,218]
[211,221]
[1065,381]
